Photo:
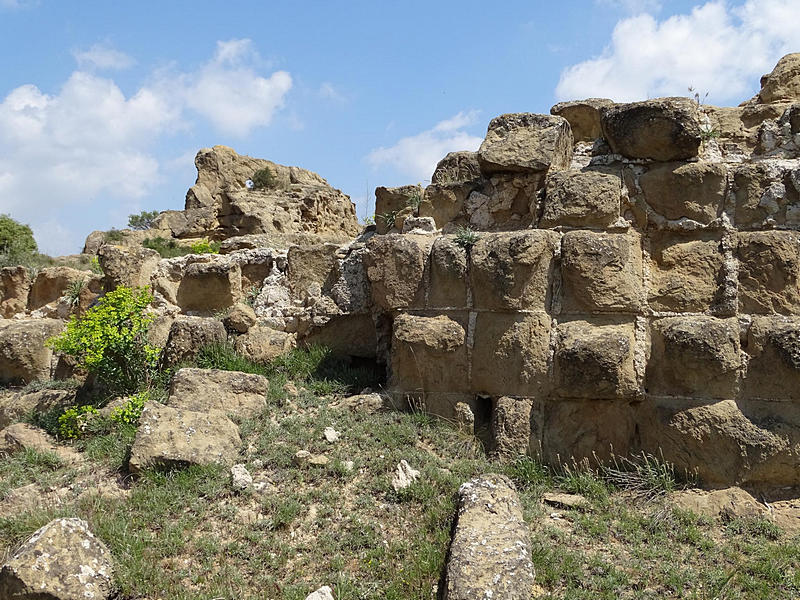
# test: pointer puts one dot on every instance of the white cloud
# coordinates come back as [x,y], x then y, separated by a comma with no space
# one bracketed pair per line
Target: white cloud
[102,57]
[716,48]
[89,147]
[416,156]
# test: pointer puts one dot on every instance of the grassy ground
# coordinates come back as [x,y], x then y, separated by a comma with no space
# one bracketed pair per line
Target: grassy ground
[188,534]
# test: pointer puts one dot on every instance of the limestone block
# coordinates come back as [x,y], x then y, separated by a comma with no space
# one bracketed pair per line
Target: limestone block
[311,269]
[722,444]
[693,356]
[61,561]
[585,429]
[583,117]
[692,190]
[773,371]
[23,354]
[489,555]
[765,195]
[686,272]
[783,83]
[594,361]
[16,406]
[241,318]
[505,201]
[511,427]
[188,334]
[169,437]
[345,335]
[445,202]
[396,267]
[525,142]
[262,344]
[15,284]
[581,199]
[130,266]
[232,392]
[510,353]
[51,283]
[662,129]
[602,272]
[769,262]
[394,201]
[449,274]
[210,287]
[457,167]
[513,271]
[429,354]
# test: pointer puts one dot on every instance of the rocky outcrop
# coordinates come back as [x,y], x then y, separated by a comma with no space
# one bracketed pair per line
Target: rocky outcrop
[24,357]
[61,561]
[15,284]
[489,554]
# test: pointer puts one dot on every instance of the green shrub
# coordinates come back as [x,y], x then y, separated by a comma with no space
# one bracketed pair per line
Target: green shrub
[114,235]
[129,413]
[388,218]
[205,247]
[144,220]
[110,341]
[264,179]
[466,237]
[166,248]
[16,241]
[74,422]
[73,291]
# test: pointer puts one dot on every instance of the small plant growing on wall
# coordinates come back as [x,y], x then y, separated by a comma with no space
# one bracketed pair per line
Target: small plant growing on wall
[466,237]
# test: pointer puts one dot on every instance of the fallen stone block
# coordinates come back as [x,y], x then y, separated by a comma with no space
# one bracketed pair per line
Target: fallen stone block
[232,392]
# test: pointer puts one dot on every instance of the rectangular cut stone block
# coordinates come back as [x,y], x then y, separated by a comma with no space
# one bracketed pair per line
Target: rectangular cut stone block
[769,262]
[602,272]
[581,199]
[512,427]
[694,190]
[594,361]
[686,272]
[391,202]
[693,356]
[444,202]
[585,429]
[396,267]
[209,287]
[773,371]
[513,271]
[510,352]
[311,269]
[448,282]
[429,354]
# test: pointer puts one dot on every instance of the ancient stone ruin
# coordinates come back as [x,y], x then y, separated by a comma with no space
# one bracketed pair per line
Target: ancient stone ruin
[608,279]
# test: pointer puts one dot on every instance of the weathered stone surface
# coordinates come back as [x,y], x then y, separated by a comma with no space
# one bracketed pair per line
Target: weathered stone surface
[693,356]
[241,318]
[51,283]
[489,554]
[61,561]
[518,342]
[449,283]
[686,272]
[429,354]
[725,504]
[594,361]
[769,262]
[525,142]
[209,287]
[311,270]
[404,476]
[323,593]
[583,117]
[445,202]
[718,443]
[419,225]
[390,202]
[188,334]
[581,199]
[15,283]
[773,369]
[232,392]
[129,266]
[169,437]
[396,267]
[662,129]
[15,406]
[694,190]
[505,201]
[262,344]
[512,271]
[23,354]
[22,436]
[344,335]
[457,167]
[764,196]
[511,427]
[584,430]
[602,272]
[783,83]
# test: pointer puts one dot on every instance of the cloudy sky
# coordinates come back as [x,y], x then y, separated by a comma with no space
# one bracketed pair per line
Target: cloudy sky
[104,104]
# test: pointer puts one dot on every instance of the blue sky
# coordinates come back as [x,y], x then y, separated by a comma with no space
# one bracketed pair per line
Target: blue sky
[104,104]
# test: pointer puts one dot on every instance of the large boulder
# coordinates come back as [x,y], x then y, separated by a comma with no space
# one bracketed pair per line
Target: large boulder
[207,287]
[128,266]
[395,267]
[662,129]
[51,283]
[232,392]
[262,344]
[61,561]
[583,117]
[783,83]
[457,167]
[526,143]
[14,407]
[23,354]
[490,554]
[694,190]
[188,334]
[169,437]
[15,283]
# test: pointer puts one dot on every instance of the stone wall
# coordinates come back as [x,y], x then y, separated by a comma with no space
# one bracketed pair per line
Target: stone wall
[633,287]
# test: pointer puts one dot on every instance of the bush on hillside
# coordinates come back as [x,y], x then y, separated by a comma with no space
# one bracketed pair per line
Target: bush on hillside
[144,220]
[16,240]
[264,179]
